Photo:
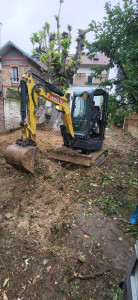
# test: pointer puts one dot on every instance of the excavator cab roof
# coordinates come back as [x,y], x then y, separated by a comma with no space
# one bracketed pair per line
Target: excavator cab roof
[90,92]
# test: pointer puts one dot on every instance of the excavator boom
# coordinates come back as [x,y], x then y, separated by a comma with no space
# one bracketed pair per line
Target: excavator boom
[22,154]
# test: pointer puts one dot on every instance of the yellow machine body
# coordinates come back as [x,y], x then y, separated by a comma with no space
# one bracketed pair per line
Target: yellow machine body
[29,128]
[21,155]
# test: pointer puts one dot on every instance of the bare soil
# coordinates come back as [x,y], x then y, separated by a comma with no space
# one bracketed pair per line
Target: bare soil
[65,232]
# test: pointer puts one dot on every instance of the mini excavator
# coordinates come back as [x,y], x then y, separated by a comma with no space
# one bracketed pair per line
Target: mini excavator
[82,136]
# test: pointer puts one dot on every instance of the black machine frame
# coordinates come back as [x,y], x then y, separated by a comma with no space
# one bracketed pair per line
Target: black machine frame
[85,140]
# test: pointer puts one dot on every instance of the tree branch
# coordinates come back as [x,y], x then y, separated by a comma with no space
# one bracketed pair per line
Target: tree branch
[89,276]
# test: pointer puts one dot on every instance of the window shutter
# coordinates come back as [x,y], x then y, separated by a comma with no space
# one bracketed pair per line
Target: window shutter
[89,79]
[71,80]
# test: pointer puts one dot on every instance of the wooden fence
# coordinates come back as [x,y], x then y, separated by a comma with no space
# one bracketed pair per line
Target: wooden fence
[131,124]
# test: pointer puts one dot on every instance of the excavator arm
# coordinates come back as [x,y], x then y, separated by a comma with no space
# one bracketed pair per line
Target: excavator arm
[29,101]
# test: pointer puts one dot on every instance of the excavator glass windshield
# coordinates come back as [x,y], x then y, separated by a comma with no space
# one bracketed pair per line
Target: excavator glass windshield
[99,99]
[80,113]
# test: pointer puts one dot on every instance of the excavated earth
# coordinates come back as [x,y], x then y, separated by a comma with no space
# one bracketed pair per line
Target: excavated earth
[65,232]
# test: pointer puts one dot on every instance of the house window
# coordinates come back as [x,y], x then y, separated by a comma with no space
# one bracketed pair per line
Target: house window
[14,74]
[96,58]
[71,80]
[89,79]
[68,96]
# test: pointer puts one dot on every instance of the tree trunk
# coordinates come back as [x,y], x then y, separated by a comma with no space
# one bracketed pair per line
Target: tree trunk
[55,119]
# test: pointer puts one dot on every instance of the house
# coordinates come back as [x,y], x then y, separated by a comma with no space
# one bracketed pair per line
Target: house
[83,79]
[14,62]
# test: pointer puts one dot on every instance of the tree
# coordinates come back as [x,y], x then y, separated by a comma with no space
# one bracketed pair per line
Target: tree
[53,50]
[116,37]
[117,110]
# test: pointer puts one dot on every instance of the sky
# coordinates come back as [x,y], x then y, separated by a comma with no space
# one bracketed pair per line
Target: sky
[21,18]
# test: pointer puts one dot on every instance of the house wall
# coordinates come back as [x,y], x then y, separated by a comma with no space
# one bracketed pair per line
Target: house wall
[82,76]
[12,117]
[0,81]
[131,124]
[79,79]
[1,115]
[101,78]
[10,108]
[15,59]
[12,113]
[84,70]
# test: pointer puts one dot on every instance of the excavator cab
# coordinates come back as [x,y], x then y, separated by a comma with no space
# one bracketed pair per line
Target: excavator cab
[88,121]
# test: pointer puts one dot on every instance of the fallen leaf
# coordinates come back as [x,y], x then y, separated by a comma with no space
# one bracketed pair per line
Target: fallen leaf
[86,236]
[4,296]
[6,281]
[93,184]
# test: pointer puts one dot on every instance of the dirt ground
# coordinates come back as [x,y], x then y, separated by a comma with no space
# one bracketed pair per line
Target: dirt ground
[65,232]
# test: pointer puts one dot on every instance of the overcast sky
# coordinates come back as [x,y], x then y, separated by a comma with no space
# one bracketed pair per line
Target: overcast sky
[21,18]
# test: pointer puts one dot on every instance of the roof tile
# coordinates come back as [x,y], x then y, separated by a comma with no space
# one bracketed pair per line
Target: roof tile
[102,60]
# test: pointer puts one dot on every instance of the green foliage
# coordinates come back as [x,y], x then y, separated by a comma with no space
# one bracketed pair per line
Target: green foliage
[41,34]
[114,292]
[44,58]
[118,119]
[46,26]
[117,111]
[52,44]
[52,53]
[80,60]
[116,37]
[77,39]
[52,49]
[34,52]
[58,55]
[34,38]
[65,43]
[12,93]
[69,27]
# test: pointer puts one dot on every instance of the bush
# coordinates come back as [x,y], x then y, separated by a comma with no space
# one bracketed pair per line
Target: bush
[117,120]
[12,93]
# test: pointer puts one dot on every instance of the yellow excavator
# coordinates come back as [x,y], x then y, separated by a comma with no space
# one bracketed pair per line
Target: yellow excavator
[82,136]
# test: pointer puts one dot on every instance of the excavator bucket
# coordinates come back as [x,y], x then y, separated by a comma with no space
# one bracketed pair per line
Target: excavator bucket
[95,158]
[21,158]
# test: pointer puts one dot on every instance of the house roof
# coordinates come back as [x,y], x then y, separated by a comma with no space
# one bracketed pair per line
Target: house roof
[10,44]
[99,59]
